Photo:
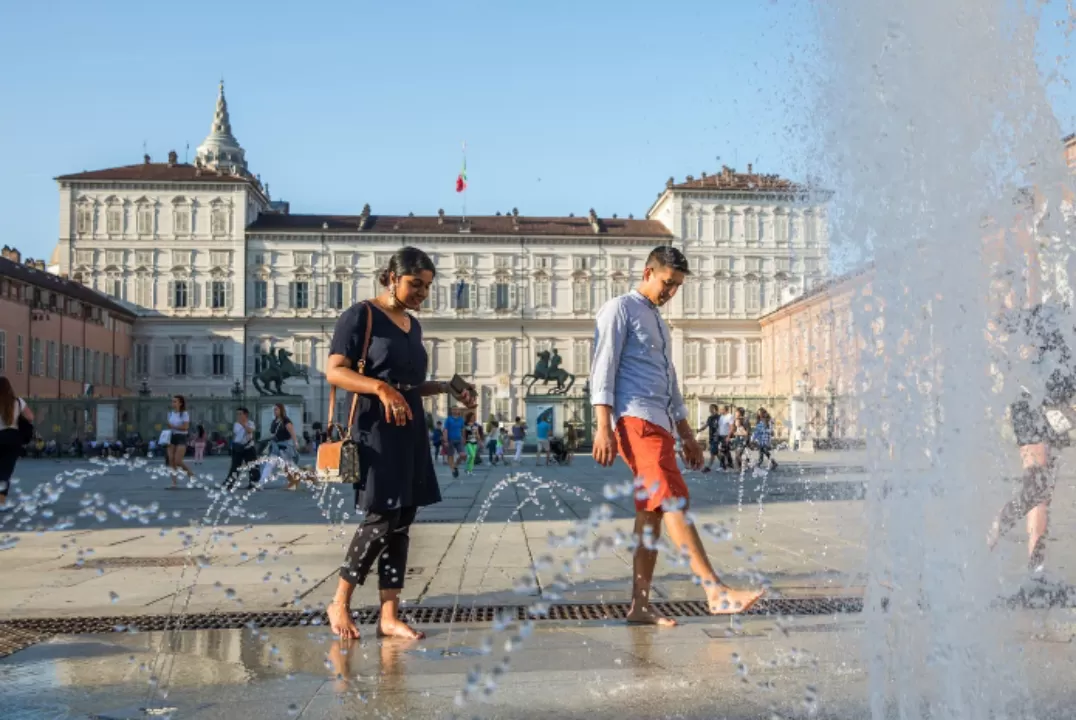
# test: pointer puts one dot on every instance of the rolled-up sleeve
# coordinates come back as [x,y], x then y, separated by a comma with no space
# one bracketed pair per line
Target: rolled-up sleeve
[609,334]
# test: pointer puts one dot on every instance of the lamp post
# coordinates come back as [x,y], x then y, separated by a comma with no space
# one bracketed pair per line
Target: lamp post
[237,391]
[143,390]
[831,409]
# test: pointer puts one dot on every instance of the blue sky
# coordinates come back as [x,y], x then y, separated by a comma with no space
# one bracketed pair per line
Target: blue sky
[564,105]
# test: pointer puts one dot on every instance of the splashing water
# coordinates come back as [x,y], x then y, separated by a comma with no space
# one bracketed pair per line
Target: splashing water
[943,154]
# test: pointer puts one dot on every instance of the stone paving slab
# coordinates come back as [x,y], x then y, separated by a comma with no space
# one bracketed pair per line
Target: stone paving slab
[707,668]
[808,535]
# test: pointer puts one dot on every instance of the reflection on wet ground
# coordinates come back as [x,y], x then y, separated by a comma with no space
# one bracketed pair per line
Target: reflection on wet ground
[779,668]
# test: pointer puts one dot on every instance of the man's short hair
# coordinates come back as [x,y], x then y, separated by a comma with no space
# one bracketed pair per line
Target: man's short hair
[243,410]
[669,257]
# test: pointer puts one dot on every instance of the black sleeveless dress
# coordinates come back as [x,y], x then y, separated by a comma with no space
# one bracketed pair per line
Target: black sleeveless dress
[395,465]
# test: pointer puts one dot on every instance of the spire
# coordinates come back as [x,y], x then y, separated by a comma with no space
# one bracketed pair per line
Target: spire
[220,150]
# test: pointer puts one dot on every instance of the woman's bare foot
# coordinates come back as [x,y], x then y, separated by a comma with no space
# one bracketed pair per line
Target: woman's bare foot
[340,621]
[394,628]
[647,615]
[726,601]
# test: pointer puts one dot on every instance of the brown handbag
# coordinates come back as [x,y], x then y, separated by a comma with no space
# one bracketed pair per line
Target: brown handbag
[339,461]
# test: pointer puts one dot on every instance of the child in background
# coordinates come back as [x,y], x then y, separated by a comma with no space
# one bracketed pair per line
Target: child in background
[472,432]
[502,440]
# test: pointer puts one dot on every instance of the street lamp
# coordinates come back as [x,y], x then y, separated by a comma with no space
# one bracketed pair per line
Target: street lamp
[237,391]
[831,409]
[143,390]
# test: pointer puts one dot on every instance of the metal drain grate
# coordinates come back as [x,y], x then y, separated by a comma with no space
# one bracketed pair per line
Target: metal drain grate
[130,562]
[14,639]
[417,615]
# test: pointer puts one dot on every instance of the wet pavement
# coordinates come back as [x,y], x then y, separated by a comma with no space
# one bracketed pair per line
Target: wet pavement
[758,668]
[803,529]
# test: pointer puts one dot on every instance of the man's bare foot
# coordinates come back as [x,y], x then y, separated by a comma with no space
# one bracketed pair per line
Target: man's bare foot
[647,615]
[393,628]
[340,621]
[726,601]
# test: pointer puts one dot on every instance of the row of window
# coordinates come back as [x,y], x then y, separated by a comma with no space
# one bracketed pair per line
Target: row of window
[757,227]
[337,295]
[147,258]
[218,363]
[51,359]
[725,358]
[118,221]
[55,302]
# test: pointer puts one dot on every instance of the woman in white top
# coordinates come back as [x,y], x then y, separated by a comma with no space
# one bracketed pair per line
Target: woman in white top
[179,422]
[11,408]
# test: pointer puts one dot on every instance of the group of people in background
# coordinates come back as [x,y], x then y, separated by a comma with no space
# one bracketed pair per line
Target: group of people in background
[460,439]
[731,436]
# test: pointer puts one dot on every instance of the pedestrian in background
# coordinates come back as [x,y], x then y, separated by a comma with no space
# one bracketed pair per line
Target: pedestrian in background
[12,408]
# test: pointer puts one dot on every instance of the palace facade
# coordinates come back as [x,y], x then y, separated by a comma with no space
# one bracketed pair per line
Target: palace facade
[220,274]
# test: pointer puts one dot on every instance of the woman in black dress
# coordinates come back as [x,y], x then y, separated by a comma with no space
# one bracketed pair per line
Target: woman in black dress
[396,470]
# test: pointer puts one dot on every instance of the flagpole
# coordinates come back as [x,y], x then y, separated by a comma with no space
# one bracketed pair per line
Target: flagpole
[465,182]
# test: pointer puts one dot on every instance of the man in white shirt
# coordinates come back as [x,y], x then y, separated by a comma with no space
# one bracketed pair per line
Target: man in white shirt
[724,427]
[243,450]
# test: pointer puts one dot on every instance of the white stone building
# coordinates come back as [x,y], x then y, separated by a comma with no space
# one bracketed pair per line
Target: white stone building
[221,273]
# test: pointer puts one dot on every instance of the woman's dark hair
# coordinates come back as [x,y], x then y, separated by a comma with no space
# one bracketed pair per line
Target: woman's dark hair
[283,412]
[407,261]
[469,417]
[182,402]
[200,431]
[8,402]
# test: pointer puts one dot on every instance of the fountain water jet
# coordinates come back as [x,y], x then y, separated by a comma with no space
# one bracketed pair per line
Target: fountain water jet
[935,122]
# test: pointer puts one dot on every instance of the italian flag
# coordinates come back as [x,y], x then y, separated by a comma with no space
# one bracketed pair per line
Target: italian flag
[461,179]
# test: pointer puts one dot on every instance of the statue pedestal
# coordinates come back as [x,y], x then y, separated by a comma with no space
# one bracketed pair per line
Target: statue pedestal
[556,411]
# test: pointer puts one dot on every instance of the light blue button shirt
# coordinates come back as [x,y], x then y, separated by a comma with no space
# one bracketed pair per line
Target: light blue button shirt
[633,371]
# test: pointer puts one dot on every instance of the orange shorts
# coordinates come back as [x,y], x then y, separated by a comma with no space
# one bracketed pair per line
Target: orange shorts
[650,452]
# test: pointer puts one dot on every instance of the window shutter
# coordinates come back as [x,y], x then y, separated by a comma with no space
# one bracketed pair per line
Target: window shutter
[453,292]
[319,295]
[493,295]
[171,293]
[473,300]
[513,296]
[347,292]
[167,365]
[441,290]
[228,294]
[207,363]
[196,293]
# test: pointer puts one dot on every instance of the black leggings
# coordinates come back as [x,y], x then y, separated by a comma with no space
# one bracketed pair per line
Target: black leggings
[1036,488]
[10,448]
[242,456]
[383,537]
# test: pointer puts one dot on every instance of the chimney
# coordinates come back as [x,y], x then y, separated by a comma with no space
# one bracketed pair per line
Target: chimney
[172,158]
[145,159]
[11,254]
[748,168]
[440,216]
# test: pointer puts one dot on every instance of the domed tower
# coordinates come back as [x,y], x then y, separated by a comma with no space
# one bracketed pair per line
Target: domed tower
[220,150]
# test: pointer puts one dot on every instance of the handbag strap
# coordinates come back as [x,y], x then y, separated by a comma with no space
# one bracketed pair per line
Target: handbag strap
[361,367]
